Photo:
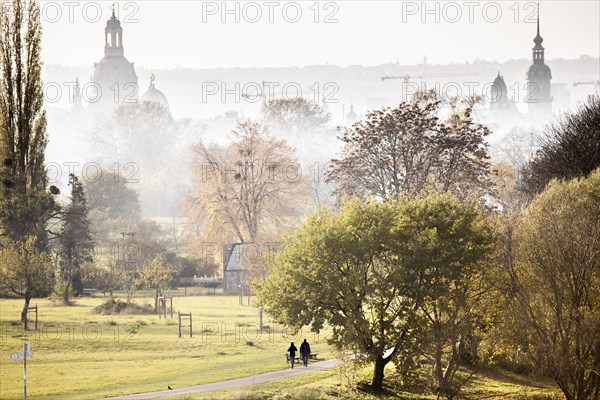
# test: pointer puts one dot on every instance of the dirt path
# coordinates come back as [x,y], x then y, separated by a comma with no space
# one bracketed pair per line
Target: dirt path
[233,383]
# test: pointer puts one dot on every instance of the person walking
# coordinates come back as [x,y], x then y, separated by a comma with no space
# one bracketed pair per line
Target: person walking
[292,352]
[304,352]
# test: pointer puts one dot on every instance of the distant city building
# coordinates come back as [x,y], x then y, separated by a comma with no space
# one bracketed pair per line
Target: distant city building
[351,117]
[499,100]
[539,98]
[77,98]
[153,95]
[114,76]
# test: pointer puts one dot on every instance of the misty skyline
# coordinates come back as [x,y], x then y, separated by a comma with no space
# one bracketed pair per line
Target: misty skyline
[191,34]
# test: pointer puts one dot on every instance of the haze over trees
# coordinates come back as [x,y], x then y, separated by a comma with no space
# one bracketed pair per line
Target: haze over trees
[113,204]
[301,122]
[150,149]
[251,189]
[305,125]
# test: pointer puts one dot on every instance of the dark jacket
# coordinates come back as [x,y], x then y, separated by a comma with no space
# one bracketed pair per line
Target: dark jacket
[305,348]
[292,350]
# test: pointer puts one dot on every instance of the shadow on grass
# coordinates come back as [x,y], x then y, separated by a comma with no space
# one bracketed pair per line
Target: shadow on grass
[389,391]
[502,375]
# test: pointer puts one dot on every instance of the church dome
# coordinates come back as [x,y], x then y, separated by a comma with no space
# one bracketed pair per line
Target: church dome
[153,95]
[110,70]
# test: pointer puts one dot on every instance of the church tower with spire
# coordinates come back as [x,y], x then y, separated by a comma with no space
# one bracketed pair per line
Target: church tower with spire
[539,99]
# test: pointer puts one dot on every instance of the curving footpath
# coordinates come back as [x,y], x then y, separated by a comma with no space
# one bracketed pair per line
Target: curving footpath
[233,383]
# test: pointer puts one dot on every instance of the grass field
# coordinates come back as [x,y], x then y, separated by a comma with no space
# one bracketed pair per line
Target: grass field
[78,354]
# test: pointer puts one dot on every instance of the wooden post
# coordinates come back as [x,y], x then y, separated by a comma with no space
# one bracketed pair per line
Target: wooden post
[158,307]
[171,307]
[179,315]
[165,306]
[27,311]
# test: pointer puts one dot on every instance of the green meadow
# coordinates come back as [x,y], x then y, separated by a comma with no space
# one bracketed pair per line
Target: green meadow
[78,354]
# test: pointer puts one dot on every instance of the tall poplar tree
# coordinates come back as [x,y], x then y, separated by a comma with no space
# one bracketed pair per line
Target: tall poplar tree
[25,205]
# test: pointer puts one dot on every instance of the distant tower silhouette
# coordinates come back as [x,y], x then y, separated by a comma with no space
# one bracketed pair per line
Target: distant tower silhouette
[77,98]
[351,117]
[113,36]
[114,76]
[499,93]
[538,77]
[502,108]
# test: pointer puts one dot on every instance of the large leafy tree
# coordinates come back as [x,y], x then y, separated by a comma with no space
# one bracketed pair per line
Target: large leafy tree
[25,271]
[569,149]
[409,150]
[376,272]
[554,271]
[75,241]
[249,189]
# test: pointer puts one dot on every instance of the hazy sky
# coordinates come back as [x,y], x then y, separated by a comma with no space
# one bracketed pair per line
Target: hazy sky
[171,34]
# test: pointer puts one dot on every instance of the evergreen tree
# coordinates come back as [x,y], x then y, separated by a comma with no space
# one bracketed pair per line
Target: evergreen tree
[76,244]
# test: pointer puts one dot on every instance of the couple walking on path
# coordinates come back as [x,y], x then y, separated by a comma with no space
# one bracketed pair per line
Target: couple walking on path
[304,353]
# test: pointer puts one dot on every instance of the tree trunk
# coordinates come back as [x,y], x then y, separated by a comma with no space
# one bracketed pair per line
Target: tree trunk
[442,389]
[378,373]
[260,318]
[66,293]
[156,300]
[25,306]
